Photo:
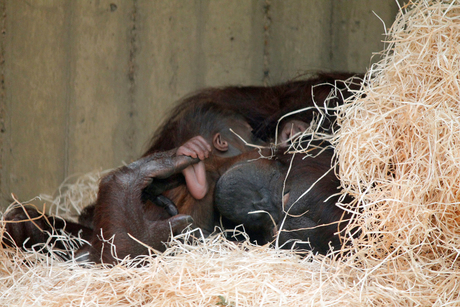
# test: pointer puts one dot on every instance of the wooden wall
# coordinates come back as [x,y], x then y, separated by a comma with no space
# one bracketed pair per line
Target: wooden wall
[85,83]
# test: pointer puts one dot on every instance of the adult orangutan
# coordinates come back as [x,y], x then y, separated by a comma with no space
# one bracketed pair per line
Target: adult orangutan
[162,193]
[154,197]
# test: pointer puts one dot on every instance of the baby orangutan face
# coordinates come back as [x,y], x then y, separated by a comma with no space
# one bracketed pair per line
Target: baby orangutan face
[229,141]
[234,139]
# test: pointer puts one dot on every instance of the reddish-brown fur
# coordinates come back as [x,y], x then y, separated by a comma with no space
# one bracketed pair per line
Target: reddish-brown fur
[312,218]
[260,106]
[123,209]
[120,212]
[124,206]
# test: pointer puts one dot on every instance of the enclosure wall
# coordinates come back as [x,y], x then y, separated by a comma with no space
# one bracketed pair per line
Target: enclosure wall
[85,83]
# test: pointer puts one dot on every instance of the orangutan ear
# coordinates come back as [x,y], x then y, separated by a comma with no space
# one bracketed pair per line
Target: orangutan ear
[219,142]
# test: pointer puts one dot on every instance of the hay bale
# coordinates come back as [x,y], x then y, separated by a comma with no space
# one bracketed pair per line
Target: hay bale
[398,149]
[399,155]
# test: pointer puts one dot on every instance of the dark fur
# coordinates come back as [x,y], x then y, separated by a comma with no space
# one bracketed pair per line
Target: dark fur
[260,106]
[129,203]
[120,212]
[306,225]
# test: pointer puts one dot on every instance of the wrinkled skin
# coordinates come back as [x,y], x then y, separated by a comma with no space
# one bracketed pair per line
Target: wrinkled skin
[310,222]
[123,211]
[245,184]
[137,203]
[121,214]
[154,189]
[150,222]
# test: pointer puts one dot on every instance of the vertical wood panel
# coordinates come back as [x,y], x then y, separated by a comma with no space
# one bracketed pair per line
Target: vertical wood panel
[36,87]
[187,45]
[3,148]
[167,61]
[232,42]
[357,32]
[87,82]
[299,37]
[100,119]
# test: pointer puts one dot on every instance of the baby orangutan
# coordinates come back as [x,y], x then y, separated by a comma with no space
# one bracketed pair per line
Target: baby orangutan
[162,193]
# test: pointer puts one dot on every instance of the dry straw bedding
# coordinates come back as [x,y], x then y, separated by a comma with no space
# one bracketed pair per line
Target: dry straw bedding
[398,148]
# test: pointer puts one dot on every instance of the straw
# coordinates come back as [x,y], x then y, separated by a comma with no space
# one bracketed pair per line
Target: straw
[398,151]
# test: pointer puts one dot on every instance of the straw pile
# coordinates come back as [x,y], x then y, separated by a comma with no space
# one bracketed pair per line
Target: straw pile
[398,151]
[399,155]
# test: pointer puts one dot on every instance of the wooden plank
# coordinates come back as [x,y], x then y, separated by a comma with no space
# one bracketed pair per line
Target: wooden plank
[166,61]
[325,35]
[87,82]
[357,32]
[232,42]
[100,109]
[299,38]
[2,86]
[183,46]
[36,92]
